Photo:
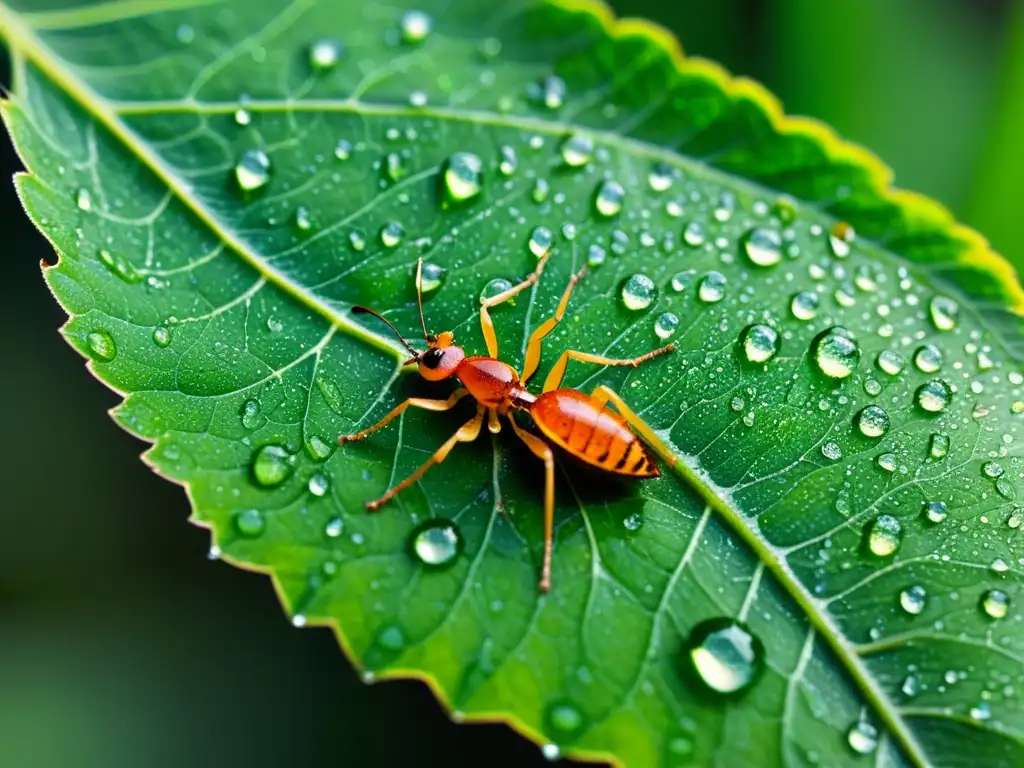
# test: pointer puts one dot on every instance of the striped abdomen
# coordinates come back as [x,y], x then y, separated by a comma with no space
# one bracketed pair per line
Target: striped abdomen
[588,430]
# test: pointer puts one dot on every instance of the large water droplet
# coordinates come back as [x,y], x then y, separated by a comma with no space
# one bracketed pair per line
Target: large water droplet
[431,277]
[992,469]
[463,176]
[101,345]
[760,343]
[935,511]
[436,543]
[666,324]
[887,461]
[995,603]
[318,484]
[832,451]
[725,656]
[661,176]
[391,234]
[763,246]
[577,150]
[913,599]
[862,738]
[884,535]
[890,362]
[272,465]
[249,522]
[944,313]
[415,26]
[540,241]
[609,197]
[928,358]
[934,396]
[836,353]
[804,305]
[638,292]
[711,288]
[252,172]
[325,53]
[873,421]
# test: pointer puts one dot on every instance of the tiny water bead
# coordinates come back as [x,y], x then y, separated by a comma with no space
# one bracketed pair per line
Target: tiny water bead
[357,241]
[862,738]
[913,599]
[763,247]
[666,324]
[992,469]
[938,445]
[540,190]
[83,198]
[121,268]
[436,543]
[760,343]
[161,336]
[564,721]
[252,172]
[243,117]
[995,603]
[432,277]
[391,234]
[724,655]
[249,522]
[928,358]
[325,53]
[540,242]
[890,362]
[633,522]
[934,396]
[343,149]
[101,345]
[391,638]
[944,313]
[712,287]
[935,511]
[872,387]
[272,465]
[251,414]
[832,451]
[577,150]
[804,305]
[317,448]
[693,234]
[550,92]
[661,176]
[638,292]
[318,484]
[609,197]
[887,461]
[334,527]
[841,239]
[884,536]
[681,280]
[415,26]
[872,421]
[463,176]
[836,353]
[302,220]
[596,256]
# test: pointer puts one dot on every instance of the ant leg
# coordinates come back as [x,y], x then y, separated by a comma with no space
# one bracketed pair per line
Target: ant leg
[485,317]
[543,451]
[533,346]
[604,394]
[415,402]
[554,379]
[467,433]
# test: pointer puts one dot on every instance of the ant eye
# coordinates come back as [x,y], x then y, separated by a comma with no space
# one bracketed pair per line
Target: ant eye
[432,357]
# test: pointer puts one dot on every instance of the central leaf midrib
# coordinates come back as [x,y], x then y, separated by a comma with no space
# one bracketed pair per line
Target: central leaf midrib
[23,41]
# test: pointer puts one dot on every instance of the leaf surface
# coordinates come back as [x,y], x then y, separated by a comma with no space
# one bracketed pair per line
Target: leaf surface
[224,181]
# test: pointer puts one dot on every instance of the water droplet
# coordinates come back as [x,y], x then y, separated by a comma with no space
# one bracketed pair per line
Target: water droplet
[325,53]
[981,712]
[832,451]
[249,522]
[935,511]
[913,599]
[862,738]
[934,396]
[890,362]
[84,199]
[725,656]
[334,527]
[928,359]
[564,721]
[638,292]
[252,172]
[415,26]
[944,313]
[391,234]
[737,404]
[318,484]
[251,414]
[394,167]
[391,638]
[299,620]
[577,150]
[508,161]
[596,256]
[711,288]
[494,287]
[243,117]
[841,238]
[550,92]
[463,176]
[357,241]
[763,247]
[101,346]
[995,603]
[633,522]
[551,752]
[418,99]
[884,535]
[938,446]
[161,336]
[432,277]
[271,465]
[909,687]
[804,305]
[317,448]
[302,221]
[661,176]
[121,268]
[887,461]
[681,280]
[343,149]
[992,469]
[836,353]
[436,543]
[693,234]
[609,197]
[540,241]
[760,343]
[540,191]
[873,421]
[999,566]
[666,324]
[185,34]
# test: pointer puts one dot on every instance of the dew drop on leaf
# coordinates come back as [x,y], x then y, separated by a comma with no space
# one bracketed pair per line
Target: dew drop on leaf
[884,535]
[318,484]
[944,313]
[391,234]
[122,269]
[804,305]
[725,656]
[596,256]
[83,198]
[343,149]
[841,238]
[934,396]
[550,92]
[252,172]
[609,197]
[302,221]
[272,465]
[357,241]
[887,461]
[661,176]
[836,353]
[249,522]
[938,445]
[935,511]
[693,234]
[995,603]
[161,336]
[681,280]
[928,358]
[913,599]
[633,522]
[540,241]
[832,451]
[243,117]
[101,346]
[862,738]
[992,469]
[890,362]
[540,191]
[763,247]
[324,54]
[436,543]
[711,288]
[432,277]
[251,414]
[334,527]
[508,161]
[391,638]
[463,176]
[564,721]
[494,287]
[577,150]
[666,324]
[415,26]
[872,421]
[760,343]
[638,292]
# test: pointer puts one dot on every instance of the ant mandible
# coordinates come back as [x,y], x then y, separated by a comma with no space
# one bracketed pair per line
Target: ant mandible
[580,424]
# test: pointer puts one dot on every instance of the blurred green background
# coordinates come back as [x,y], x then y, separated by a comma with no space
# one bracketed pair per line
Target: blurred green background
[122,645]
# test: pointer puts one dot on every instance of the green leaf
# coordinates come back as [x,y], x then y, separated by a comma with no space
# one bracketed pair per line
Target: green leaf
[873,568]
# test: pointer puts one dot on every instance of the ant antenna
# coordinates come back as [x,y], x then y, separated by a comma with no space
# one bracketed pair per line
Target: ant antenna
[359,310]
[419,298]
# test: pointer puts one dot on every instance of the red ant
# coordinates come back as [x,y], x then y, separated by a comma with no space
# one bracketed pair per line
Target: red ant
[578,423]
